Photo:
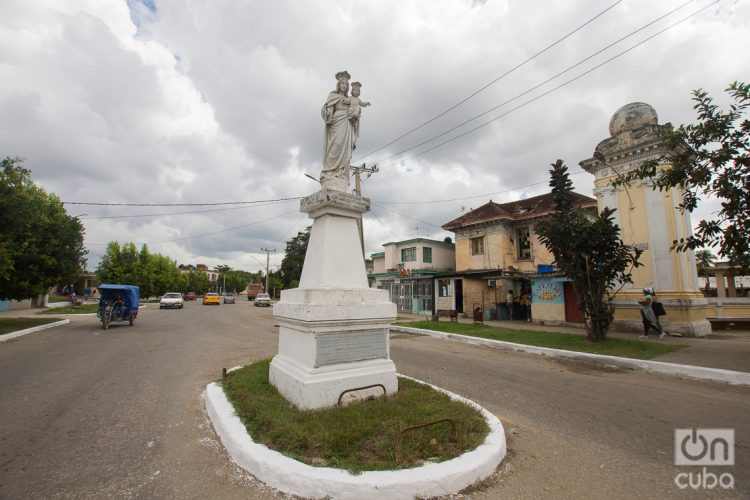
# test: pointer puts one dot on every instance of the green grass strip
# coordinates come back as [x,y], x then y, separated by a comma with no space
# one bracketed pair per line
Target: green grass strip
[361,436]
[10,325]
[611,346]
[84,309]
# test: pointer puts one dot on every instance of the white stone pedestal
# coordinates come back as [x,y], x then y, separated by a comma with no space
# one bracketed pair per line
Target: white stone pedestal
[333,329]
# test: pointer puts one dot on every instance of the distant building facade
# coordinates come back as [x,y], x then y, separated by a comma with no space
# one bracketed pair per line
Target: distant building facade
[406,268]
[498,251]
[211,274]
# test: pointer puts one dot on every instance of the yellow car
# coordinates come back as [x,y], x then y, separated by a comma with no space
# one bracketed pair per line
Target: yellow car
[211,298]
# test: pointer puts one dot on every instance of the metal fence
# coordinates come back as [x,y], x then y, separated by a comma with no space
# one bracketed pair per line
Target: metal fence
[411,295]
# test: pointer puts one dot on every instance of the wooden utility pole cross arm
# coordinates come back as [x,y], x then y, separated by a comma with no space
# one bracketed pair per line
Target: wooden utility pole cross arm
[358,170]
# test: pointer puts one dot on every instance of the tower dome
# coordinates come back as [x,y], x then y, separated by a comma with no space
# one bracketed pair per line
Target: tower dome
[632,116]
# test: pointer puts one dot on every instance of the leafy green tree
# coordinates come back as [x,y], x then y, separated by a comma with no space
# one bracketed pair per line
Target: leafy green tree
[704,260]
[155,274]
[294,257]
[165,276]
[237,280]
[120,265]
[710,158]
[276,284]
[196,281]
[232,279]
[40,244]
[589,252]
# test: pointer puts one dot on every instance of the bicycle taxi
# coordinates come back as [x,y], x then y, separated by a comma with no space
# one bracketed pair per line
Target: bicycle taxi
[117,303]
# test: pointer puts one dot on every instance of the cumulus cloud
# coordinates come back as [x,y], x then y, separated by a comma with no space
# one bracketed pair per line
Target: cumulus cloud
[160,101]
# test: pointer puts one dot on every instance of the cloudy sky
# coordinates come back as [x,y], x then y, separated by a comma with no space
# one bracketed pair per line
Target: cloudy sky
[201,102]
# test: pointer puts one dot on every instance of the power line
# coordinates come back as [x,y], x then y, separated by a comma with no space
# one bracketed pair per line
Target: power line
[539,84]
[407,216]
[372,212]
[489,84]
[178,204]
[292,228]
[182,213]
[556,88]
[470,197]
[211,233]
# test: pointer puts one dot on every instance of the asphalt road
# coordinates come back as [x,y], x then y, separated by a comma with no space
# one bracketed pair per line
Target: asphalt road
[86,413]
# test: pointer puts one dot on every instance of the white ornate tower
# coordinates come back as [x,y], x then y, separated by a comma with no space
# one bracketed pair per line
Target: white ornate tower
[650,220]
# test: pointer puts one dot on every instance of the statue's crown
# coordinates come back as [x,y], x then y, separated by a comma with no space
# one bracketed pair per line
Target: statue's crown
[356,84]
[343,75]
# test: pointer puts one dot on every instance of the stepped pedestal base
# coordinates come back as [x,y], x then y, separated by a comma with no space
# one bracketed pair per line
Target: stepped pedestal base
[333,329]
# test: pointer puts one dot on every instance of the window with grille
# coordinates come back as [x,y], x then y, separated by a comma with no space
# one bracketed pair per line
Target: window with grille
[523,243]
[444,288]
[409,254]
[427,255]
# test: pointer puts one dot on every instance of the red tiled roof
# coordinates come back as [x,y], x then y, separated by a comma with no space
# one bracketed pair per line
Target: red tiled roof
[515,210]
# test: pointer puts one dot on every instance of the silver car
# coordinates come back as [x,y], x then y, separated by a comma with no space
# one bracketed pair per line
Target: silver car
[263,299]
[229,298]
[171,300]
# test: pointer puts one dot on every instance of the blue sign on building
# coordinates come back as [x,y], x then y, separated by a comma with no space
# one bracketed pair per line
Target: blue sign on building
[547,290]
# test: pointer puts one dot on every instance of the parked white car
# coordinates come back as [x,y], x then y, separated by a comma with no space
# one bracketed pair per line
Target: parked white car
[263,299]
[170,300]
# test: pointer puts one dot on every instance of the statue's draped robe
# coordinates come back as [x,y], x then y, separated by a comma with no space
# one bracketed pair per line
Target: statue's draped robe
[340,138]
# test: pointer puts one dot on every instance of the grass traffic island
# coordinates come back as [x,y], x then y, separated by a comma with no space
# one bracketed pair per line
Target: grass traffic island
[10,325]
[84,309]
[611,346]
[364,436]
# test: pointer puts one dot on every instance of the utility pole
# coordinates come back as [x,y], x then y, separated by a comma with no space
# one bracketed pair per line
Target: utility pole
[268,259]
[358,190]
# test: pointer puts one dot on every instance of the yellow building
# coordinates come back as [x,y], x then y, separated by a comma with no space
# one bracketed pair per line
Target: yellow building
[650,220]
[498,251]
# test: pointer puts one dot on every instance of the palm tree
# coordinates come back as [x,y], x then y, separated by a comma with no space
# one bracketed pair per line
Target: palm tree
[704,260]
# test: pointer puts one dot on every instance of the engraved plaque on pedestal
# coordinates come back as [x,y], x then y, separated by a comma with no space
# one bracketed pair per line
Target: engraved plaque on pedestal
[344,347]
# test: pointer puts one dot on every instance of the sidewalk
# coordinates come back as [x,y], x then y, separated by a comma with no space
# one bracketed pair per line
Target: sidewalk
[725,349]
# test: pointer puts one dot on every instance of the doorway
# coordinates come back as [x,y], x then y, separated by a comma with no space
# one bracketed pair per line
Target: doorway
[460,296]
[572,313]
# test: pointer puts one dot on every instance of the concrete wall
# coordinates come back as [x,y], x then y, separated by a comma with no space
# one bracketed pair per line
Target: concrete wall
[443,258]
[728,307]
[651,220]
[547,314]
[686,313]
[13,305]
[476,292]
[499,251]
[378,264]
[496,248]
[443,255]
[392,256]
[548,300]
[445,303]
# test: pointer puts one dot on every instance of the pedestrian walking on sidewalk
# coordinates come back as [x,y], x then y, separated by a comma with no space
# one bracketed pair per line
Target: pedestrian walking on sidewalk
[659,311]
[648,316]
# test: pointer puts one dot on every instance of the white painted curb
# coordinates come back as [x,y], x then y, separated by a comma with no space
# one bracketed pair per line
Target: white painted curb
[33,329]
[291,476]
[697,372]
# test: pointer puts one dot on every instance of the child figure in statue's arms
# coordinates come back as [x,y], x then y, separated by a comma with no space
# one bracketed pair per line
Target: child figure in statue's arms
[355,106]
